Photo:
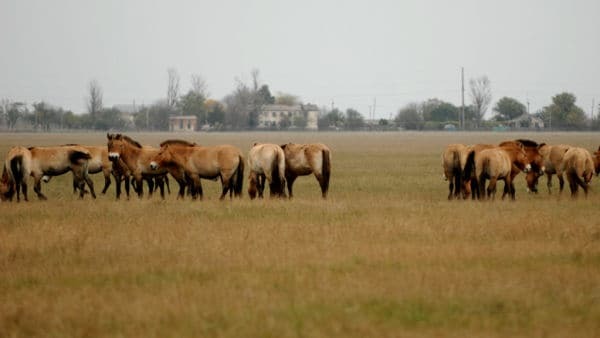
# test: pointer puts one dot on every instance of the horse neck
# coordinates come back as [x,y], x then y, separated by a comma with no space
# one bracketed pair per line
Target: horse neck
[132,154]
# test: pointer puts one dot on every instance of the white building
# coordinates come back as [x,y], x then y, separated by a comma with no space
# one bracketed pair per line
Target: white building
[182,123]
[274,115]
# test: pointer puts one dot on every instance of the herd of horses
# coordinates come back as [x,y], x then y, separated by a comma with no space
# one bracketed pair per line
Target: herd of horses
[131,163]
[468,167]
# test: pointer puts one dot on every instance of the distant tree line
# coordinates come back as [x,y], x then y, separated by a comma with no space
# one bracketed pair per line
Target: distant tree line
[240,110]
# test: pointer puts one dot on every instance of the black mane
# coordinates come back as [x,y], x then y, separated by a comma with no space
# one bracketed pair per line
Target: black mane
[177,142]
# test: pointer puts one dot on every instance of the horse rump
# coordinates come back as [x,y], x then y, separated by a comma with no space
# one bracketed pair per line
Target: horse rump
[76,156]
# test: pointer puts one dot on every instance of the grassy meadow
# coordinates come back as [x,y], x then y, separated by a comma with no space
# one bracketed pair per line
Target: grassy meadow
[386,255]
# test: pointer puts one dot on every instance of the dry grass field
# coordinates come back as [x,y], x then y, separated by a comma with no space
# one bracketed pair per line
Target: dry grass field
[385,256]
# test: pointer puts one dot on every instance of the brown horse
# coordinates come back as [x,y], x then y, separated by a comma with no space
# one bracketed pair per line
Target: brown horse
[532,149]
[304,159]
[17,168]
[500,163]
[578,165]
[196,162]
[55,161]
[553,158]
[266,163]
[137,160]
[453,162]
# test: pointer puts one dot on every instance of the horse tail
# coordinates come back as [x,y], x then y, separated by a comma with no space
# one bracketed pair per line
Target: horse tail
[239,178]
[278,180]
[16,171]
[77,155]
[469,169]
[326,168]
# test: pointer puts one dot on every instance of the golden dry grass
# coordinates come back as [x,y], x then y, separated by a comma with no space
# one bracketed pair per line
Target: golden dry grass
[385,256]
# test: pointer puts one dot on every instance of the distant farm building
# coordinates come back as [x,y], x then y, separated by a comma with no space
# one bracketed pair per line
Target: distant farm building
[526,121]
[280,116]
[182,123]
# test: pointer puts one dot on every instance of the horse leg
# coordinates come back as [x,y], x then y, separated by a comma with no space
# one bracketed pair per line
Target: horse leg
[37,187]
[450,188]
[24,189]
[323,184]
[139,184]
[160,182]
[182,184]
[118,185]
[290,182]
[225,184]
[261,185]
[106,181]
[506,190]
[549,182]
[561,182]
[89,182]
[196,187]
[491,190]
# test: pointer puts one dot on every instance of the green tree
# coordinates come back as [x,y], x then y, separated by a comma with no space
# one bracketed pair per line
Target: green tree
[286,99]
[192,103]
[300,121]
[216,113]
[109,119]
[265,95]
[439,111]
[14,111]
[508,108]
[333,119]
[410,117]
[155,117]
[563,112]
[354,120]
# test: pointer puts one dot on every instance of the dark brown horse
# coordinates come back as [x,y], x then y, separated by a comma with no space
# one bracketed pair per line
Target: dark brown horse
[16,171]
[266,163]
[137,160]
[500,163]
[55,161]
[195,162]
[578,166]
[532,149]
[306,159]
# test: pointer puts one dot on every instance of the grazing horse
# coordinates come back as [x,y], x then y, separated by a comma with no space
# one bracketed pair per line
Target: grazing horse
[137,160]
[500,163]
[17,168]
[304,159]
[266,163]
[55,161]
[532,149]
[453,162]
[553,158]
[578,166]
[196,162]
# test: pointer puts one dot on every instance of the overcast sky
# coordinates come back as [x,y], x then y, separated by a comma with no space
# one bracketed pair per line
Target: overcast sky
[345,52]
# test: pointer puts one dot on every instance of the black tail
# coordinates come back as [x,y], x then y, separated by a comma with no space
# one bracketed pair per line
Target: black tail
[239,178]
[469,169]
[16,167]
[75,156]
[326,170]
[277,180]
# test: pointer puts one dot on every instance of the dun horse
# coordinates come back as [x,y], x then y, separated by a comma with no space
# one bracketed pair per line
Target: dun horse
[499,163]
[578,166]
[16,171]
[532,149]
[137,160]
[266,162]
[196,162]
[553,158]
[468,170]
[55,161]
[453,162]
[306,159]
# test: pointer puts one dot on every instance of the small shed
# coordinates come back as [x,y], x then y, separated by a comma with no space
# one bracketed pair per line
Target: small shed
[183,123]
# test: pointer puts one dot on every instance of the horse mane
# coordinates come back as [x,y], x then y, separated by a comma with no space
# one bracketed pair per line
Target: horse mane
[177,142]
[129,140]
[528,143]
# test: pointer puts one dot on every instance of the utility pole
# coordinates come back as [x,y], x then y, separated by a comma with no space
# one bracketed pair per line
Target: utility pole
[592,112]
[462,89]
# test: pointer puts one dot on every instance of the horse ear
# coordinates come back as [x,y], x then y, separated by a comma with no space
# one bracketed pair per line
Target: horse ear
[283,146]
[541,145]
[255,143]
[109,136]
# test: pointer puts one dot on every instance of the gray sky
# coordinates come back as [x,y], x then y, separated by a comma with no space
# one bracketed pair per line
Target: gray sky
[346,51]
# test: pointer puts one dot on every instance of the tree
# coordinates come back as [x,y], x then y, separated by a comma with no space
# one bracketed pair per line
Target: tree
[237,103]
[333,119]
[154,117]
[300,121]
[410,117]
[199,85]
[286,99]
[14,110]
[508,108]
[110,118]
[265,95]
[94,99]
[192,103]
[215,112]
[563,112]
[481,97]
[354,120]
[172,87]
[439,111]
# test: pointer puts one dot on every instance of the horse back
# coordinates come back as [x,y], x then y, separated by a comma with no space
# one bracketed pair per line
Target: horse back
[494,162]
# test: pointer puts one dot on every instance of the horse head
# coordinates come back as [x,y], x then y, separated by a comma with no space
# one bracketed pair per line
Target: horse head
[115,146]
[163,156]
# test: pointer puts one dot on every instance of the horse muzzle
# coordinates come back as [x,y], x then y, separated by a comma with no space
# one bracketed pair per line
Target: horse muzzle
[542,170]
[113,156]
[527,168]
[153,165]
